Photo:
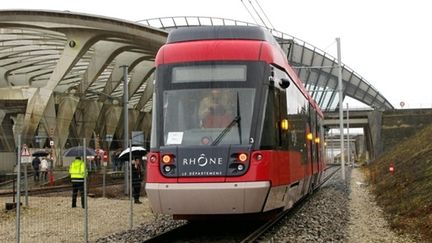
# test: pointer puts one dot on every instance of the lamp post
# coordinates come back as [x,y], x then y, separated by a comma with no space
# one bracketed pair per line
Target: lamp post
[348,138]
[126,121]
[340,88]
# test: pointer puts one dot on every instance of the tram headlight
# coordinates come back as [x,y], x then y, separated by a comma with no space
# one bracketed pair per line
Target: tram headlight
[259,157]
[240,167]
[242,157]
[284,124]
[166,159]
[153,159]
[167,168]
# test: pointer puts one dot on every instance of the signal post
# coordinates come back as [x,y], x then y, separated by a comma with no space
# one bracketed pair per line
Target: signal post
[25,159]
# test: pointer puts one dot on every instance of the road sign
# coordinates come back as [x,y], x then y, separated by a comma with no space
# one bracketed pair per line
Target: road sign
[109,138]
[25,154]
[26,159]
[25,151]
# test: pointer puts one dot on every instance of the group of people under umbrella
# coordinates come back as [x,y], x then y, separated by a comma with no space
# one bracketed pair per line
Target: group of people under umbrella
[41,165]
[78,169]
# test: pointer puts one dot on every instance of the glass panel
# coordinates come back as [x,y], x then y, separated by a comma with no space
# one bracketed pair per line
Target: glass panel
[270,134]
[208,73]
[207,116]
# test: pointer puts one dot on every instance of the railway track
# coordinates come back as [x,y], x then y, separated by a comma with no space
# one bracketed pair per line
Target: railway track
[53,189]
[231,231]
[286,214]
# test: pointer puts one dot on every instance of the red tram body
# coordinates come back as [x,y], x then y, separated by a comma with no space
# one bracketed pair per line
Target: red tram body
[266,151]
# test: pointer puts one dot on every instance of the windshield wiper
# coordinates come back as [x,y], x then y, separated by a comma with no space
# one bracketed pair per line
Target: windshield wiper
[225,131]
[228,128]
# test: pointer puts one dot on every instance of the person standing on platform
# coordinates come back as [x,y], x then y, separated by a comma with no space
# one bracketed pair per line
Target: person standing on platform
[44,168]
[77,171]
[136,179]
[36,167]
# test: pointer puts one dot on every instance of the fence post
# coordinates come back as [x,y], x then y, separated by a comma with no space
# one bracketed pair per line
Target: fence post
[26,185]
[130,186]
[18,195]
[85,194]
[103,179]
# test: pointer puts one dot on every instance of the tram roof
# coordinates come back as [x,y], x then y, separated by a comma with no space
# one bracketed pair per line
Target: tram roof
[220,32]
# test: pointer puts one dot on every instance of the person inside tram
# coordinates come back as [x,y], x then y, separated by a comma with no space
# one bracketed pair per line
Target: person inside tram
[215,110]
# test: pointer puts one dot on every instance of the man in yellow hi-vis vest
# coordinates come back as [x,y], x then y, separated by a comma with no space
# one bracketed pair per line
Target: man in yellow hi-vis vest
[77,171]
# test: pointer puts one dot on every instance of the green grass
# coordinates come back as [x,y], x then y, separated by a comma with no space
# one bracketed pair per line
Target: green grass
[406,196]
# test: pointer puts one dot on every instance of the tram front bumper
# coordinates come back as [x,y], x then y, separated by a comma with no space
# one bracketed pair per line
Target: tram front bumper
[207,198]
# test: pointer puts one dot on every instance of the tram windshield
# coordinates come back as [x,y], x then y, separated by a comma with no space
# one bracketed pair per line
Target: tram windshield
[207,116]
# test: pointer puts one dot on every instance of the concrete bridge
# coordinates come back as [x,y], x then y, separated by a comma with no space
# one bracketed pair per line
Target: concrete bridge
[381,129]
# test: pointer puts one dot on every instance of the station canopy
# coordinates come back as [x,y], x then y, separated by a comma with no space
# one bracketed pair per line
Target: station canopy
[47,57]
[316,68]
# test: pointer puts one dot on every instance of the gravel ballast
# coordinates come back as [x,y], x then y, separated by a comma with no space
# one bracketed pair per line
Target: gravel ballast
[339,212]
[51,219]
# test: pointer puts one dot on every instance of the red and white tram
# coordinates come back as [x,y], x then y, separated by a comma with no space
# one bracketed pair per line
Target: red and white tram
[233,131]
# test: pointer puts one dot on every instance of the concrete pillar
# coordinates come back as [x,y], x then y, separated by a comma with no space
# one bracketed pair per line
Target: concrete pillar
[18,125]
[375,121]
[146,126]
[49,123]
[147,94]
[67,107]
[35,110]
[134,120]
[112,119]
[120,129]
[91,111]
[76,45]
[6,134]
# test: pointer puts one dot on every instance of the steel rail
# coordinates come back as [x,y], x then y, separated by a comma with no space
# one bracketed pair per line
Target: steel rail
[52,189]
[254,236]
[185,229]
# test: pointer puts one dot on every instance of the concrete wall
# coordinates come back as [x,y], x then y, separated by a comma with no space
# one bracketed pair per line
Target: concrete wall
[398,125]
[7,162]
[374,135]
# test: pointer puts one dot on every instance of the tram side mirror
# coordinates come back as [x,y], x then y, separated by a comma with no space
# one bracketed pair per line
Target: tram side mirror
[284,83]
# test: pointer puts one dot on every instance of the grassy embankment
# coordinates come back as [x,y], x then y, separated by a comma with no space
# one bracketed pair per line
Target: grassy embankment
[406,196]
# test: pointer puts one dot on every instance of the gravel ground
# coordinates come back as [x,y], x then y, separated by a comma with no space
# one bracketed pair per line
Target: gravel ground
[51,219]
[367,223]
[339,212]
[323,218]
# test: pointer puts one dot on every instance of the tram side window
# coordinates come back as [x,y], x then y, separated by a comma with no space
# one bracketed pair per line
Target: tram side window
[297,120]
[313,126]
[320,142]
[284,134]
[270,134]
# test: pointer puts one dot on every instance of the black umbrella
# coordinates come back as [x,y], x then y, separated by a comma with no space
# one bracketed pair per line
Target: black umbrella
[79,151]
[40,153]
[137,151]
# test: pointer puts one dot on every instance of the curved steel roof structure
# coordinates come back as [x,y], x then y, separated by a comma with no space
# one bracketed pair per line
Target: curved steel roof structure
[316,68]
[61,74]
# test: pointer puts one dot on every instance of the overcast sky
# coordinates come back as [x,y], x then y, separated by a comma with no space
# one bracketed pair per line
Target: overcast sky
[388,42]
